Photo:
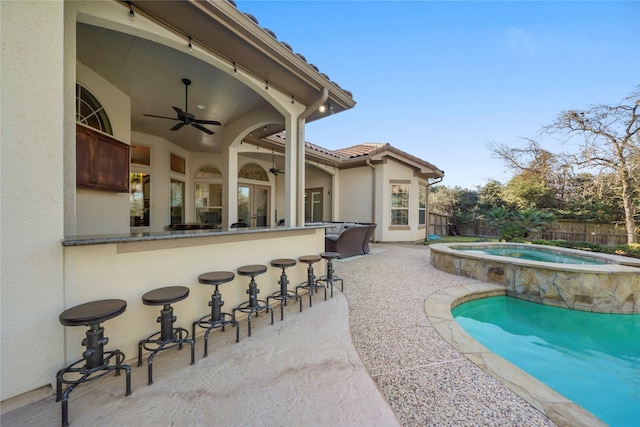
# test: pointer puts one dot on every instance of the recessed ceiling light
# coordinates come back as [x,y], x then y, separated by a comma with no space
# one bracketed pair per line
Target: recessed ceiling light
[201,106]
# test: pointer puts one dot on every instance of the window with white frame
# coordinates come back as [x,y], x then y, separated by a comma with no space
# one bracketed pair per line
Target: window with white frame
[399,204]
[422,205]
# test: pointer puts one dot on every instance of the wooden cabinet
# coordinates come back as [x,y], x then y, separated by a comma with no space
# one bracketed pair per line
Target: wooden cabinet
[102,162]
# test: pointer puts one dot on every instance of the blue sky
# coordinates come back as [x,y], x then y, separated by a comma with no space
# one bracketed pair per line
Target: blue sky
[440,80]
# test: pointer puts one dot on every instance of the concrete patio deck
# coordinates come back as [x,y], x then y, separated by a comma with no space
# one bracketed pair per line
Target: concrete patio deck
[366,357]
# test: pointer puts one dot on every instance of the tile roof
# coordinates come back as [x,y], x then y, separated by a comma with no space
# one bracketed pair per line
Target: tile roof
[366,149]
[360,149]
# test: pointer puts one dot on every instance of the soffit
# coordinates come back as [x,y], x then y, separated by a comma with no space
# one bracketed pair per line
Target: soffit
[233,35]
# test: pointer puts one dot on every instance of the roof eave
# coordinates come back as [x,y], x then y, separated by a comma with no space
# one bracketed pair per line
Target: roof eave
[252,48]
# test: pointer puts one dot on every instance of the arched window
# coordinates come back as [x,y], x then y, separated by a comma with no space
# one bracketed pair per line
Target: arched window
[253,172]
[90,112]
[208,171]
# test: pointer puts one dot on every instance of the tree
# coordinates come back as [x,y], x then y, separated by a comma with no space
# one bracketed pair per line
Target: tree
[539,178]
[499,218]
[609,142]
[490,196]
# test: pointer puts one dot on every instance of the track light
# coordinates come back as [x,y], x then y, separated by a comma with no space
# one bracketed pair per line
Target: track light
[322,108]
[190,45]
[235,69]
[266,84]
[265,128]
[132,14]
[292,99]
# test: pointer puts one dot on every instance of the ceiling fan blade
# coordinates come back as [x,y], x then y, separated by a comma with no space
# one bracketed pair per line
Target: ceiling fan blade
[208,122]
[160,117]
[179,111]
[178,126]
[203,129]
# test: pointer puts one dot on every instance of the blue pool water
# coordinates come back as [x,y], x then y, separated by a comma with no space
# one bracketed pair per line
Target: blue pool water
[592,359]
[535,255]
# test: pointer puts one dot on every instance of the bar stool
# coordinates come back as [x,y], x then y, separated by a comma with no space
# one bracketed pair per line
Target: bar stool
[330,278]
[95,359]
[169,336]
[283,294]
[253,305]
[217,319]
[311,284]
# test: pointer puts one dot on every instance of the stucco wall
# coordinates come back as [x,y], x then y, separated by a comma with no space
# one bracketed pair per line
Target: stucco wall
[104,212]
[31,138]
[394,172]
[356,195]
[128,270]
[316,178]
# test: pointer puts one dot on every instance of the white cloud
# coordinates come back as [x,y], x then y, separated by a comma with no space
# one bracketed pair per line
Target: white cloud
[521,42]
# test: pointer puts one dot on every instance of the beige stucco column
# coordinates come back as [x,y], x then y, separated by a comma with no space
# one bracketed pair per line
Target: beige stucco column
[230,183]
[300,155]
[32,176]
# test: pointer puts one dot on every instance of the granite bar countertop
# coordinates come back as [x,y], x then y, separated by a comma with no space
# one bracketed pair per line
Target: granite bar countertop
[104,239]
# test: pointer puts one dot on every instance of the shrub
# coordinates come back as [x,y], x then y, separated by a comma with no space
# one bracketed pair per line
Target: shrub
[632,250]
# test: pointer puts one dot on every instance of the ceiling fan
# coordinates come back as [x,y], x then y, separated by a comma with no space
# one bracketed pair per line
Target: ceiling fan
[185,117]
[273,169]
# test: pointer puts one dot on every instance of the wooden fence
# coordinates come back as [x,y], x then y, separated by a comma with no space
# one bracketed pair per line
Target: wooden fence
[438,224]
[573,231]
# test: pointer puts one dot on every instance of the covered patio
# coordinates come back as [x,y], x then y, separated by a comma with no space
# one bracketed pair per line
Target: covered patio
[358,359]
[108,77]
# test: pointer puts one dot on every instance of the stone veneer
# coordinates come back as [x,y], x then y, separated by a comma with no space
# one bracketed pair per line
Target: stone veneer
[605,288]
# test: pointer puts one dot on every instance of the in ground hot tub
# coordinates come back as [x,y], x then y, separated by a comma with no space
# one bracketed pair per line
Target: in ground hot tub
[603,283]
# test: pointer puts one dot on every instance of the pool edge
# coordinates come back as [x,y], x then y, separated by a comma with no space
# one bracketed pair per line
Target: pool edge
[552,404]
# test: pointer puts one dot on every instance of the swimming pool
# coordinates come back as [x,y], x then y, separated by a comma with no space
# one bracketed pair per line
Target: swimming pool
[611,286]
[538,254]
[591,358]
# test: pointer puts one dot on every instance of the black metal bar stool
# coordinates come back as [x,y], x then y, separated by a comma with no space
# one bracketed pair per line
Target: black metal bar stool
[283,294]
[311,284]
[330,277]
[95,360]
[169,336]
[217,319]
[253,305]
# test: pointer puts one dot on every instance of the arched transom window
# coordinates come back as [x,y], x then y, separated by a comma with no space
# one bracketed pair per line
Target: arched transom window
[90,112]
[253,172]
[208,171]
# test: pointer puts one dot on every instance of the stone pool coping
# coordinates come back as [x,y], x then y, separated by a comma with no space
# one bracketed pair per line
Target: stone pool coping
[613,287]
[615,263]
[556,407]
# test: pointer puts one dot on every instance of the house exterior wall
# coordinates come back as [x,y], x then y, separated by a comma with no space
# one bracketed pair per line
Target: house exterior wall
[388,173]
[104,212]
[356,195]
[316,178]
[31,140]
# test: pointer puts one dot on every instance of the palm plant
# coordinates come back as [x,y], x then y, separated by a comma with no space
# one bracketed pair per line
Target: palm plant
[533,220]
[499,218]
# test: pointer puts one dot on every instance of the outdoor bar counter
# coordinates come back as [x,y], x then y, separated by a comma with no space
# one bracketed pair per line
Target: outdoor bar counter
[129,265]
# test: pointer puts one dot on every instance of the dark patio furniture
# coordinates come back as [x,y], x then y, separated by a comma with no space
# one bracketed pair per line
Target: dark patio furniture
[311,284]
[254,305]
[330,277]
[217,319]
[283,294]
[349,238]
[169,336]
[96,363]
